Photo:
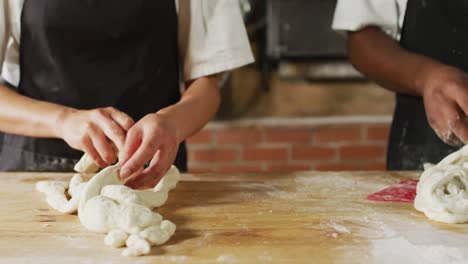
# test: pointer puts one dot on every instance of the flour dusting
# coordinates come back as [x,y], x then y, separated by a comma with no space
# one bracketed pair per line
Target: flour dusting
[400,250]
[340,228]
[178,259]
[226,258]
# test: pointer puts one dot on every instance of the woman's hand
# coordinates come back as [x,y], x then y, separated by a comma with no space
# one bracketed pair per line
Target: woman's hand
[445,94]
[92,131]
[155,139]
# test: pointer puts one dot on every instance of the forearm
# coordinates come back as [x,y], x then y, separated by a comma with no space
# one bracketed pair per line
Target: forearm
[25,116]
[383,60]
[197,106]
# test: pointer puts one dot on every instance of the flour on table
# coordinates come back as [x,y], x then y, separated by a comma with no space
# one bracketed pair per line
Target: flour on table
[441,193]
[400,250]
[105,205]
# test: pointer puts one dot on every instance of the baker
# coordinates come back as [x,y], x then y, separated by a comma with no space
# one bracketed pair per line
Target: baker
[87,75]
[418,49]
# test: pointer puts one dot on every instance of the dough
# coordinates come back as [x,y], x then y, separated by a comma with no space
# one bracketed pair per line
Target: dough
[55,193]
[116,238]
[105,205]
[441,193]
[86,165]
[136,246]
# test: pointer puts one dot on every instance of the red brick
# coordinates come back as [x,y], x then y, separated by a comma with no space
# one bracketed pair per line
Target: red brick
[202,137]
[239,168]
[288,136]
[378,133]
[238,136]
[313,153]
[337,167]
[213,155]
[359,152]
[265,153]
[338,134]
[287,167]
[199,169]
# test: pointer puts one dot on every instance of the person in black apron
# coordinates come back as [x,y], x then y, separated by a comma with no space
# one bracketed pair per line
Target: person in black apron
[428,72]
[119,62]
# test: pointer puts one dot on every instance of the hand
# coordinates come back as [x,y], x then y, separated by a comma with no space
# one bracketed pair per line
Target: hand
[445,94]
[93,130]
[154,138]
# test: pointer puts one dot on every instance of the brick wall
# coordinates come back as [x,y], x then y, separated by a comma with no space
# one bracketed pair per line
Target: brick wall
[338,143]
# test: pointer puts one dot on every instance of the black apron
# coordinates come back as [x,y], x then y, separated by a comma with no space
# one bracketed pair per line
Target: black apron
[437,29]
[91,54]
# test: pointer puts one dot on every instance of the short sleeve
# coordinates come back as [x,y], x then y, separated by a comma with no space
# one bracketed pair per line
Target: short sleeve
[3,30]
[212,36]
[357,14]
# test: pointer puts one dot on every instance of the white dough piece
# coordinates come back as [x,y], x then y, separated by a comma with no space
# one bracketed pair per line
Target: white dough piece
[169,181]
[105,205]
[116,238]
[56,197]
[123,194]
[76,185]
[441,193]
[136,246]
[94,220]
[158,235]
[459,157]
[158,197]
[86,165]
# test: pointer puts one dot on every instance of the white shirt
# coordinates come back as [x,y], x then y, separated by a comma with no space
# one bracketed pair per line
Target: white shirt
[212,38]
[353,15]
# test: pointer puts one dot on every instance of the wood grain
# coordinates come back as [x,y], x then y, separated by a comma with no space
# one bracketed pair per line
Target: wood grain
[303,217]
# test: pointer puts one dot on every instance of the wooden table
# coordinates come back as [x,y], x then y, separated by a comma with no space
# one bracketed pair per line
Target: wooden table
[303,217]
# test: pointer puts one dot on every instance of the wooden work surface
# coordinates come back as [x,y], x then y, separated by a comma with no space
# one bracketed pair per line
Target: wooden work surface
[303,217]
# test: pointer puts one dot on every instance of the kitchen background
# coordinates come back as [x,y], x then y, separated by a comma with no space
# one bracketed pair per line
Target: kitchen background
[301,106]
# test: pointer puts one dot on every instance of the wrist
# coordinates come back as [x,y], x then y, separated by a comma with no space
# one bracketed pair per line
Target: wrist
[423,78]
[432,76]
[171,125]
[59,122]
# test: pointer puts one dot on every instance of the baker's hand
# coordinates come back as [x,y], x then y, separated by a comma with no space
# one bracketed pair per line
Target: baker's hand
[92,131]
[445,93]
[154,138]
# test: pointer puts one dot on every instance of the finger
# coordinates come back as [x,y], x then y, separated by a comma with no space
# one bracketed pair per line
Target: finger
[138,172]
[144,153]
[458,124]
[113,131]
[441,112]
[121,118]
[159,165]
[102,145]
[446,121]
[461,98]
[133,182]
[131,145]
[91,150]
[454,141]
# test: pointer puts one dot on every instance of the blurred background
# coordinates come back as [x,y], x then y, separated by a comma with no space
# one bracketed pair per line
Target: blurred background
[301,106]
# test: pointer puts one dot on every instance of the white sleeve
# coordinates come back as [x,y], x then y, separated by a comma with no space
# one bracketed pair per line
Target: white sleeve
[216,39]
[4,24]
[357,14]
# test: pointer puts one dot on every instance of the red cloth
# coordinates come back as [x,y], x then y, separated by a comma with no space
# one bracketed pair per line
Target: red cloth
[403,192]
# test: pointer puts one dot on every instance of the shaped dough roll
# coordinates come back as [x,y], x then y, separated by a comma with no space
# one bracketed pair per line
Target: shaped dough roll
[442,193]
